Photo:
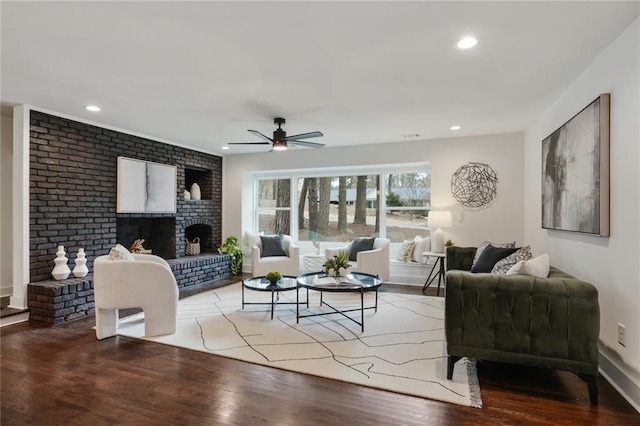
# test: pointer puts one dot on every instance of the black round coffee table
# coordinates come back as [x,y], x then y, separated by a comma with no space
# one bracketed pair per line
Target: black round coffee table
[355,282]
[285,283]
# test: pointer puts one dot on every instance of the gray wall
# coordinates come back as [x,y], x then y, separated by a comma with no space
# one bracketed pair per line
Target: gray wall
[612,264]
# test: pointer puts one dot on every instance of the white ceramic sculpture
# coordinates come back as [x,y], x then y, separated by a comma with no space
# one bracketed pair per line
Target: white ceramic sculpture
[80,269]
[61,271]
[187,195]
[195,191]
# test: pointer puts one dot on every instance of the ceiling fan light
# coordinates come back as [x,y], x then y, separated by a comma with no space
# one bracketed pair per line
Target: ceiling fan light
[467,43]
[279,146]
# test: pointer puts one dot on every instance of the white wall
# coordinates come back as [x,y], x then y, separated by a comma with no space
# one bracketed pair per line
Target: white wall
[501,221]
[611,264]
[6,234]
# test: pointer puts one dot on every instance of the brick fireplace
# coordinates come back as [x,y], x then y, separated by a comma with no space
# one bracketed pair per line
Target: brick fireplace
[73,193]
[73,172]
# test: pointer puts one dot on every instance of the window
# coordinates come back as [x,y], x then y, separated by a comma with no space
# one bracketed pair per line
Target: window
[338,208]
[274,206]
[390,202]
[408,201]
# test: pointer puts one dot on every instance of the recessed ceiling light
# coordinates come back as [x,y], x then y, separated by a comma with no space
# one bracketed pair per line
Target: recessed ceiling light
[225,147]
[93,108]
[455,127]
[467,42]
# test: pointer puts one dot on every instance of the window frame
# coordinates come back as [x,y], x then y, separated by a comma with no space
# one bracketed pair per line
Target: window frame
[295,175]
[256,203]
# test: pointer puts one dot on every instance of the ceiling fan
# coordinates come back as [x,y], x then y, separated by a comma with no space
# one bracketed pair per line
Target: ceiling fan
[280,140]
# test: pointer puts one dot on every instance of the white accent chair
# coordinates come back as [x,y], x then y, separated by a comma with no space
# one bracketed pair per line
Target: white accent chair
[286,265]
[146,282]
[374,262]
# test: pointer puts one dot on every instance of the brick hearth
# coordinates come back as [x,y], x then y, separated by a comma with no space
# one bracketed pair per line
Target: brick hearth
[54,302]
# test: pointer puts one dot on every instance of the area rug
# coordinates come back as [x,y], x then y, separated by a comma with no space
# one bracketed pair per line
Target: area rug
[402,348]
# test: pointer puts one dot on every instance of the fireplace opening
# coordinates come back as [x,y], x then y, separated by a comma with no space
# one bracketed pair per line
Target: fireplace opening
[159,234]
[204,233]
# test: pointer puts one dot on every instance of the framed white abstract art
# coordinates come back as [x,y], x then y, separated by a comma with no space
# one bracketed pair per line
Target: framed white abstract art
[146,187]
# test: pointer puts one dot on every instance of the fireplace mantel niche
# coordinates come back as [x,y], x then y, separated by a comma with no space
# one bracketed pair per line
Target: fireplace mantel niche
[203,233]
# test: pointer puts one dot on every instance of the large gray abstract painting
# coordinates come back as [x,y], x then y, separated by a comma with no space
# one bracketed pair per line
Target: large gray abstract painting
[575,172]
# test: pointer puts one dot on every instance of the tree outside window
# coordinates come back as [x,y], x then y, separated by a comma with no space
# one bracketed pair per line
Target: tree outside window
[274,206]
[341,208]
[337,208]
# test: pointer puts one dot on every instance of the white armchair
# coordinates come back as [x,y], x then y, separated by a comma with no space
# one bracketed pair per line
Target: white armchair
[287,265]
[146,282]
[374,262]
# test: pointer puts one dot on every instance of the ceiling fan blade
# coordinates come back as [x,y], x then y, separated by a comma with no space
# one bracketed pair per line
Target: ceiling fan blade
[249,143]
[260,135]
[304,136]
[307,144]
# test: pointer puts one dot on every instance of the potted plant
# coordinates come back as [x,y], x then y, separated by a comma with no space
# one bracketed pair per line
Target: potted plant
[230,247]
[337,265]
[273,277]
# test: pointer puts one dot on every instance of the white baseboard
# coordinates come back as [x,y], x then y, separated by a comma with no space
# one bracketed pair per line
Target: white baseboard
[392,281]
[411,273]
[620,381]
[6,291]
[14,319]
[406,280]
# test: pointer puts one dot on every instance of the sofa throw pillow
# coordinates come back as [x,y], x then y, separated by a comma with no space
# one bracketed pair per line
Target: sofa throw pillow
[250,240]
[422,245]
[484,245]
[358,245]
[490,256]
[272,245]
[406,250]
[120,252]
[515,269]
[537,267]
[504,265]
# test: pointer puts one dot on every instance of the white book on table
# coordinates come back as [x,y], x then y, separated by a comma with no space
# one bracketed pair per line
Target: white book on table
[332,281]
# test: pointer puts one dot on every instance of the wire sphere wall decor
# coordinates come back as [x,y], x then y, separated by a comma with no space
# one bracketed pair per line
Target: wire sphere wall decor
[474,185]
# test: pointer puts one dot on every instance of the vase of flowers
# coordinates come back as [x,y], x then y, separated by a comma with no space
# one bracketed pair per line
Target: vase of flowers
[273,277]
[338,265]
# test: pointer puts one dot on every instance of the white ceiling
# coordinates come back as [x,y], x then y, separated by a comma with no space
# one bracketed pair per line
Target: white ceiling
[200,74]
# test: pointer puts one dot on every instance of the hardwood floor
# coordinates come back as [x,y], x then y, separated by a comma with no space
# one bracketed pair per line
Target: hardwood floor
[63,375]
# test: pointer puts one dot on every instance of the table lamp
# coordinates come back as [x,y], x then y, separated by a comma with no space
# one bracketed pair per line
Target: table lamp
[438,220]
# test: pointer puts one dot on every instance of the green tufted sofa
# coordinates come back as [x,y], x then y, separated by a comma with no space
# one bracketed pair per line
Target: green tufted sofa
[549,322]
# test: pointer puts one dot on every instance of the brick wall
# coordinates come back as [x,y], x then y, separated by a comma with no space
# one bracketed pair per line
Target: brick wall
[73,172]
